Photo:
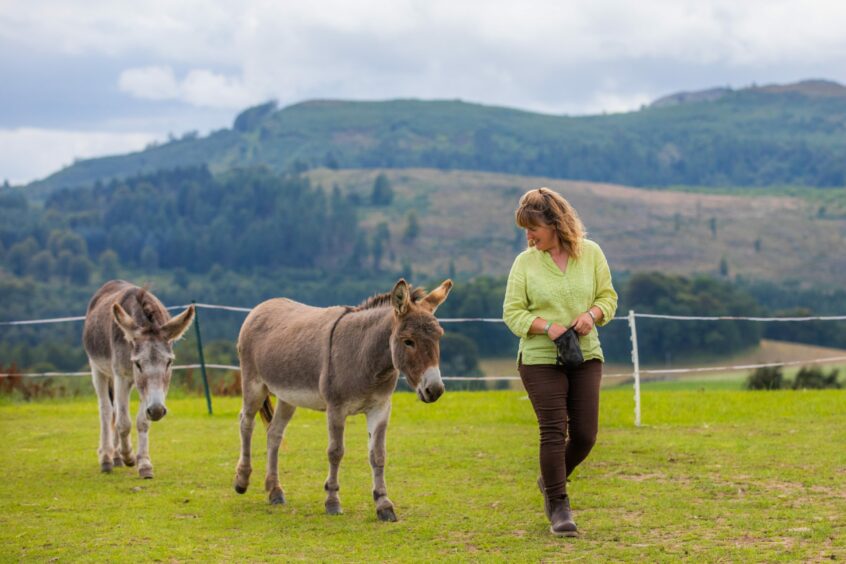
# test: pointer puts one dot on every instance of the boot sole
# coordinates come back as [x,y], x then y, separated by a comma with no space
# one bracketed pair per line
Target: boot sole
[570,534]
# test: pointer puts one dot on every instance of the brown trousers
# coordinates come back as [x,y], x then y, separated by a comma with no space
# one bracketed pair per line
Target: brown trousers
[566,403]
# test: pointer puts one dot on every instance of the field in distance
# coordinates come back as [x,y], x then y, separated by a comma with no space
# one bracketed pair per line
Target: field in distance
[768,352]
[467,218]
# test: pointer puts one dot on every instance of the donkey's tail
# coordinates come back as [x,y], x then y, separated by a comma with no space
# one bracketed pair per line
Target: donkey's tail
[266,411]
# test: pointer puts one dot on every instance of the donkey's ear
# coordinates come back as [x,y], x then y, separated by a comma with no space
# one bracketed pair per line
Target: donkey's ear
[400,297]
[176,327]
[125,322]
[437,296]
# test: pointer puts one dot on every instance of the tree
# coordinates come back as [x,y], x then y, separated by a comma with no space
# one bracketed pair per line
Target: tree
[80,270]
[412,227]
[382,194]
[377,250]
[330,161]
[63,264]
[108,264]
[765,378]
[20,254]
[180,277]
[359,252]
[61,240]
[407,270]
[149,258]
[41,266]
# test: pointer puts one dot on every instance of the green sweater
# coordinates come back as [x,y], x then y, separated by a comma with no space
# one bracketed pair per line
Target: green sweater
[538,288]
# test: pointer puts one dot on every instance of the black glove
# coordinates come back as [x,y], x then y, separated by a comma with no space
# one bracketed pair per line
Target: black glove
[569,351]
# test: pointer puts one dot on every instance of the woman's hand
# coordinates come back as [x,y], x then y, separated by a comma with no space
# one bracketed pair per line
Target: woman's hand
[583,324]
[555,331]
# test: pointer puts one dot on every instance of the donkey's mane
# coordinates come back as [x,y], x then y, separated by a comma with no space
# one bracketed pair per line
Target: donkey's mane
[150,310]
[382,300]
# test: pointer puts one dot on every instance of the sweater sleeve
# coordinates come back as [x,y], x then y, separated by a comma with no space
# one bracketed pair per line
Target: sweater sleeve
[606,296]
[515,307]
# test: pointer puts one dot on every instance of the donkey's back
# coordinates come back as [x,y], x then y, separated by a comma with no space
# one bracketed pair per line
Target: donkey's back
[283,345]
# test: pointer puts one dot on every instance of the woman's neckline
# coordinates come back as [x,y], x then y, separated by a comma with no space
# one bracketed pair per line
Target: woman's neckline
[555,265]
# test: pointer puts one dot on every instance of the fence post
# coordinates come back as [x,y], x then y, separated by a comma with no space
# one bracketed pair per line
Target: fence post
[202,357]
[636,363]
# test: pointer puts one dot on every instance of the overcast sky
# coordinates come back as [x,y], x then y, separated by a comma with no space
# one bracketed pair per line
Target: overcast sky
[84,78]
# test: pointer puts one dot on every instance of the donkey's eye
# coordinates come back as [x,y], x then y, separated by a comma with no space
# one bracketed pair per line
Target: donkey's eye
[169,362]
[409,343]
[138,365]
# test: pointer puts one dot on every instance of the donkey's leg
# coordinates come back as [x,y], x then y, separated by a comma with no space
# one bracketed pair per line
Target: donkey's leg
[377,426]
[123,440]
[253,395]
[104,403]
[145,465]
[335,420]
[275,432]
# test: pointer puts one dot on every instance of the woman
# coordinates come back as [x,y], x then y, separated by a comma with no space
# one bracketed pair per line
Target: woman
[562,280]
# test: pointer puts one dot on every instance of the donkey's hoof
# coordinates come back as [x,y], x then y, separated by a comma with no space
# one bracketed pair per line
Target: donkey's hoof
[146,472]
[129,460]
[334,508]
[106,467]
[117,462]
[386,514]
[276,497]
[240,489]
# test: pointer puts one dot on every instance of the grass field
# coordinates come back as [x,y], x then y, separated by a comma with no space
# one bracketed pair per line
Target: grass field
[712,475]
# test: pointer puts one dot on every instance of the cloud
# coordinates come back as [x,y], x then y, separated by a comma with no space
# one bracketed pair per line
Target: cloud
[546,55]
[200,87]
[28,154]
[205,88]
[206,32]
[150,83]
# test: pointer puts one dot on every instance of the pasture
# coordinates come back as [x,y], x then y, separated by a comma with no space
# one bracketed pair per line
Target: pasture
[712,475]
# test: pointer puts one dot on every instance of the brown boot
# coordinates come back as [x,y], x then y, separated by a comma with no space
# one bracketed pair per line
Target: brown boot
[559,514]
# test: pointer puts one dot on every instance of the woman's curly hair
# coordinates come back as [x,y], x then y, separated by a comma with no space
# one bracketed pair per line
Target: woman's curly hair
[545,207]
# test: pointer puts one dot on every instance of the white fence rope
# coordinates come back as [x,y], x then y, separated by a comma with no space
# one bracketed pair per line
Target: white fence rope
[492,320]
[733,318]
[43,321]
[828,360]
[480,319]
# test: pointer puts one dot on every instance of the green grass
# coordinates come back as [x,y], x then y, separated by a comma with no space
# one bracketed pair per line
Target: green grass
[712,475]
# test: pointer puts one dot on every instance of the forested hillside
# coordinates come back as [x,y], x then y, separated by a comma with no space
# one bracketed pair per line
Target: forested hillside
[791,135]
[328,237]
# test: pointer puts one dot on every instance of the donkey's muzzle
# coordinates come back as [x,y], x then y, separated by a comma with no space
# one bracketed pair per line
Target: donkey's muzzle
[156,412]
[431,392]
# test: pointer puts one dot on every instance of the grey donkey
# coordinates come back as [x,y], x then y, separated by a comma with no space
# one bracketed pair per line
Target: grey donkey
[128,337]
[341,360]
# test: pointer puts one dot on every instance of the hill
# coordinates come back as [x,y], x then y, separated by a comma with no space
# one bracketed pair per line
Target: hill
[247,235]
[758,136]
[467,218]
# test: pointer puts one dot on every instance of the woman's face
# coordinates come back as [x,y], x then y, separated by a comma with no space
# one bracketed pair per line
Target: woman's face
[542,237]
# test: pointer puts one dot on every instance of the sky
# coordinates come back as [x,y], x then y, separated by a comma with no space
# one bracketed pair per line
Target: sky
[85,78]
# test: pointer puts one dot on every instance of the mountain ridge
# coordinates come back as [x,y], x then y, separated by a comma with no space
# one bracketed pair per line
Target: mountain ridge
[769,135]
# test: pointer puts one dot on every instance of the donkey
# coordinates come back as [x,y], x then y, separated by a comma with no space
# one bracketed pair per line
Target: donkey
[341,360]
[128,337]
